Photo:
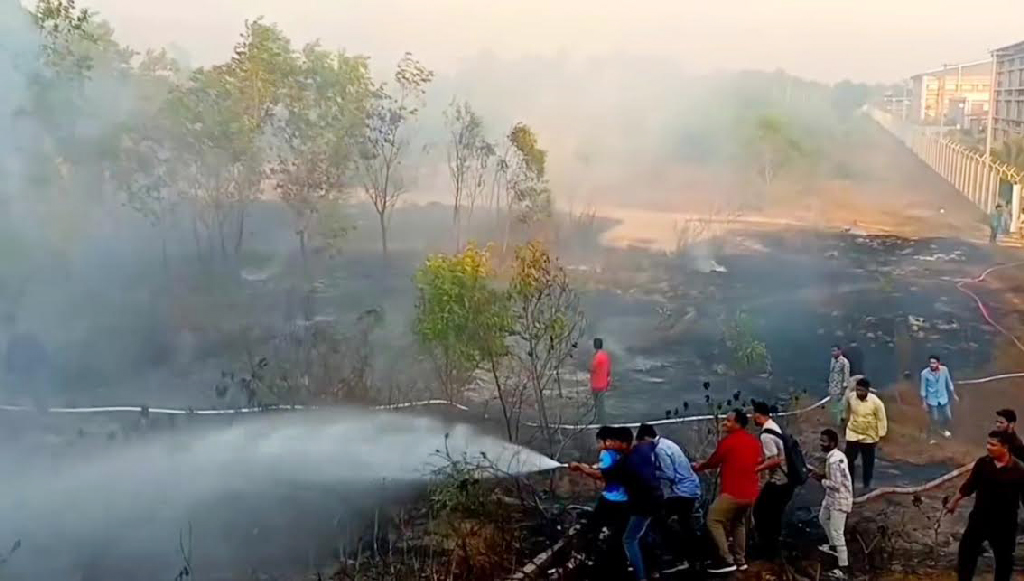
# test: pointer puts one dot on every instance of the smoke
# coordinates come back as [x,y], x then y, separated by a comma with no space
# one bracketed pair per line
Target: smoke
[290,480]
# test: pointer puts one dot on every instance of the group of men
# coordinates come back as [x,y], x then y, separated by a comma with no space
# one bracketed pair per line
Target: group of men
[651,485]
[846,368]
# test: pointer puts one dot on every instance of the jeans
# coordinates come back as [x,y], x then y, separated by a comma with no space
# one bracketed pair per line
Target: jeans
[599,410]
[1001,534]
[834,523]
[768,511]
[729,516]
[675,524]
[941,416]
[854,449]
[635,530]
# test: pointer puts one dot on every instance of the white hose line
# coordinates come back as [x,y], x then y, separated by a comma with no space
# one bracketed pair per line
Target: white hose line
[211,412]
[700,418]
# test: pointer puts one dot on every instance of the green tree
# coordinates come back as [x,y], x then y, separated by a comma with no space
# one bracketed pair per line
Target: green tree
[461,318]
[775,146]
[520,179]
[258,80]
[385,148]
[321,132]
[469,156]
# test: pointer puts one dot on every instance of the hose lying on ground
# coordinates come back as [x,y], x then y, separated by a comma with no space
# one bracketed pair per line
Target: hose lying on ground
[915,489]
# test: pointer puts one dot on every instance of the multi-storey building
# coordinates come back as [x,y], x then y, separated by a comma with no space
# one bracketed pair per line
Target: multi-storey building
[956,95]
[1008,114]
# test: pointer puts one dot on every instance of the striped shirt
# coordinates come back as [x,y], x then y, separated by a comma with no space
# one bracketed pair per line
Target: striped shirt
[837,483]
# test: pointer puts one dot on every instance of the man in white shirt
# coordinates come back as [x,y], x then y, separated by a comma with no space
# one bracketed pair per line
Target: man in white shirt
[838,500]
[777,491]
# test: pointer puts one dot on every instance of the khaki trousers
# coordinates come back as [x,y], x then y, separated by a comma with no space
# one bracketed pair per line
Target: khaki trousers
[728,517]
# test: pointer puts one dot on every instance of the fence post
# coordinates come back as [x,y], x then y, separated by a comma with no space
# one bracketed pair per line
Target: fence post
[1015,214]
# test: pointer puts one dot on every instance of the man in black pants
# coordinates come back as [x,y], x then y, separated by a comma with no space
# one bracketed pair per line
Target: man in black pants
[611,513]
[866,424]
[777,491]
[681,491]
[998,480]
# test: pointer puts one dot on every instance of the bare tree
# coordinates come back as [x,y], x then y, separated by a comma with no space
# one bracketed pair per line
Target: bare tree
[469,157]
[386,141]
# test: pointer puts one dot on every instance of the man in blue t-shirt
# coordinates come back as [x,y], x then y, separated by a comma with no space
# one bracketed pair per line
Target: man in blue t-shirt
[611,511]
[636,471]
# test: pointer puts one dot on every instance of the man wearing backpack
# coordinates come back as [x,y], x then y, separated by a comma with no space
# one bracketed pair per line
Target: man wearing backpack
[779,451]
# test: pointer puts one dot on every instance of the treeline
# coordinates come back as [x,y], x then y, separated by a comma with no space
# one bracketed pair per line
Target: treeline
[196,148]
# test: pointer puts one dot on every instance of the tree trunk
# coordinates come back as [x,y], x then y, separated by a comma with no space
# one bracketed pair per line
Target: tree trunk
[383,234]
[241,232]
[223,241]
[455,227]
[195,237]
[301,233]
[504,405]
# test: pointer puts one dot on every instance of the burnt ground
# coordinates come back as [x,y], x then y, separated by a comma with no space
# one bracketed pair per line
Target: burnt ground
[801,291]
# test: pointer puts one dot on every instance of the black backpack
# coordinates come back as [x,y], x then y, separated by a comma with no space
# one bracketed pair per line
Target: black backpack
[796,466]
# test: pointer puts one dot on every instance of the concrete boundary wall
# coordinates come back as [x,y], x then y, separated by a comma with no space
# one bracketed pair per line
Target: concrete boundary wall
[975,176]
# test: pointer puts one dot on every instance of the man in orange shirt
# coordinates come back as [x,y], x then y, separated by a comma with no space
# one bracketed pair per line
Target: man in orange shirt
[600,378]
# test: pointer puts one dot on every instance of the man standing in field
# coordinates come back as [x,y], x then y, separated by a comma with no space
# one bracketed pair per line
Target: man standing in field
[838,501]
[600,379]
[865,426]
[838,381]
[936,392]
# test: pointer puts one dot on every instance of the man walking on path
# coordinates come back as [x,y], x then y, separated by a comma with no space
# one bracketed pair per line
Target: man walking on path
[865,426]
[936,391]
[838,380]
[838,501]
[998,479]
[1006,421]
[738,456]
[777,491]
[681,490]
[600,379]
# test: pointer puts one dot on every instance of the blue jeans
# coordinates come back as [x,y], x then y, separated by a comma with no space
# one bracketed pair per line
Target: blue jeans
[631,541]
[941,417]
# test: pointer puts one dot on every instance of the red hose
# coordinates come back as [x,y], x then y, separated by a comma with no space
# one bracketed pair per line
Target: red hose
[981,305]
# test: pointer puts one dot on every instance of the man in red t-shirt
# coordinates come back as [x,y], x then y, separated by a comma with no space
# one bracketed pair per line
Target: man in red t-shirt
[738,455]
[600,378]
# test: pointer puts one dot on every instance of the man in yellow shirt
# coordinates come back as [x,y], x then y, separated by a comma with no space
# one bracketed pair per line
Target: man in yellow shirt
[865,426]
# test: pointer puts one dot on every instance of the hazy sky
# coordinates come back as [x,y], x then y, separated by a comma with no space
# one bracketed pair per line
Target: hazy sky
[825,39]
